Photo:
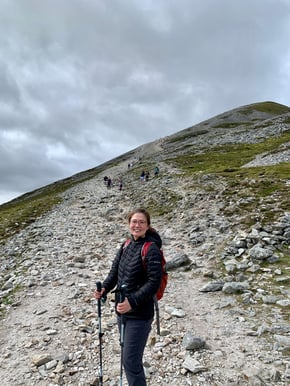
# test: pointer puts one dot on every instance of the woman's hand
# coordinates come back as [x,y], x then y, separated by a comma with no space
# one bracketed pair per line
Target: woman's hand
[124,307]
[99,294]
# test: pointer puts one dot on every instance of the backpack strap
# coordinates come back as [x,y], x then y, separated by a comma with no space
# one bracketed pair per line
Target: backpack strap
[144,252]
[126,243]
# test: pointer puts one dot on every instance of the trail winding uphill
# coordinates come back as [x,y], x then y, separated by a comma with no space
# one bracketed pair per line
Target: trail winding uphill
[50,333]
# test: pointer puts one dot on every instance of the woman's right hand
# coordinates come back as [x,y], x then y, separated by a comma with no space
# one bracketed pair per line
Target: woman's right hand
[99,294]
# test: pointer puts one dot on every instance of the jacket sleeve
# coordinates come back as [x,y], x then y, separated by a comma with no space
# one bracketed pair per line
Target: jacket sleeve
[153,277]
[111,280]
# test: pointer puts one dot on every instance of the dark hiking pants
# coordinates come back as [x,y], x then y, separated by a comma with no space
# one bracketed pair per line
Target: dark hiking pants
[135,337]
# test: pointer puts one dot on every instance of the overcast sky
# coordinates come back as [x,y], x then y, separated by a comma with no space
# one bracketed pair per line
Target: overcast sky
[82,81]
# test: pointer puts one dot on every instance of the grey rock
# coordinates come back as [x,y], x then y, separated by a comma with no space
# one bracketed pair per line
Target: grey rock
[41,359]
[191,342]
[259,253]
[212,286]
[235,287]
[193,365]
[179,260]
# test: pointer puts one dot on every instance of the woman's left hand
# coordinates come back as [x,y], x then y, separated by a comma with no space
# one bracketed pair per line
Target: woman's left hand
[124,307]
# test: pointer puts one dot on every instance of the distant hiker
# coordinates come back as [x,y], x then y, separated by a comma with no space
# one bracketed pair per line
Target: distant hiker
[142,176]
[105,180]
[147,174]
[156,171]
[109,183]
[135,313]
[120,184]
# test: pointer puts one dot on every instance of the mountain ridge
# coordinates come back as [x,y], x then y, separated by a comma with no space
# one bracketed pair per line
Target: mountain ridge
[263,110]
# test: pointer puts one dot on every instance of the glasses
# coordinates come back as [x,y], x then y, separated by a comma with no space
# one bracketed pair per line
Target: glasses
[139,222]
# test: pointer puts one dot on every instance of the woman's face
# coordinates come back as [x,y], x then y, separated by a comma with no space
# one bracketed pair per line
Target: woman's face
[138,225]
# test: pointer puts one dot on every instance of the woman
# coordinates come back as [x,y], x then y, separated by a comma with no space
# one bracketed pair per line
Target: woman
[137,310]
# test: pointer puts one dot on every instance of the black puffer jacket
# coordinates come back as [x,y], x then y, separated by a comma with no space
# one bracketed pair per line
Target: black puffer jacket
[141,283]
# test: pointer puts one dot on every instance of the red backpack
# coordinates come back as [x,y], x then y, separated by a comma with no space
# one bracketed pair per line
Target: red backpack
[164,278]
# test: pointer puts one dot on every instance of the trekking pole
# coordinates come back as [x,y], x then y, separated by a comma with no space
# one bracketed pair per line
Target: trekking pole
[157,314]
[122,296]
[99,288]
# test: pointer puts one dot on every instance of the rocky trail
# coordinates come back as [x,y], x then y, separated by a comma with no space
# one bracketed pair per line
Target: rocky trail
[49,335]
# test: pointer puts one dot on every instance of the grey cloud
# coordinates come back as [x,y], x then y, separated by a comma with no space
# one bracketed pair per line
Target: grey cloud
[83,81]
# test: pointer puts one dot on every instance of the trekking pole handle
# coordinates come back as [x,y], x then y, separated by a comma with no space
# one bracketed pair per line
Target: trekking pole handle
[99,289]
[99,286]
[122,293]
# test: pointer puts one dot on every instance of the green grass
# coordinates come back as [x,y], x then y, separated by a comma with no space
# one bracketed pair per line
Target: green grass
[273,283]
[9,299]
[261,194]
[225,158]
[268,107]
[163,205]
[230,125]
[19,213]
[186,135]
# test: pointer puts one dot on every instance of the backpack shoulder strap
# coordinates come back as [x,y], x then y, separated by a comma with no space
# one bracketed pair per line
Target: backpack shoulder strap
[145,248]
[126,243]
[144,251]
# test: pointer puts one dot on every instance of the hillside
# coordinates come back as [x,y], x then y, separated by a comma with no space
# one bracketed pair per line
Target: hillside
[221,204]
